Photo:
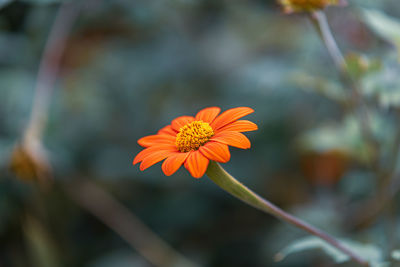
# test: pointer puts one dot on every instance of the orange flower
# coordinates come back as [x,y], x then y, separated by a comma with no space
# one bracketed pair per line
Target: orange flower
[290,6]
[194,141]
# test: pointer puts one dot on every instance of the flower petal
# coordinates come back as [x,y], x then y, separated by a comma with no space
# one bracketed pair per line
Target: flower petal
[156,139]
[216,151]
[232,139]
[180,122]
[167,130]
[229,116]
[208,114]
[147,151]
[239,126]
[173,162]
[153,158]
[196,164]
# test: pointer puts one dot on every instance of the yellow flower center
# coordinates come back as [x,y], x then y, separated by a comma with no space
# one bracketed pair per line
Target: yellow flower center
[193,135]
[306,5]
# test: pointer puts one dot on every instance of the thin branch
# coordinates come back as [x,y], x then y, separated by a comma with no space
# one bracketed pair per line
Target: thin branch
[88,195]
[366,212]
[326,35]
[49,67]
[370,209]
[104,207]
[357,104]
[389,185]
[228,183]
[29,159]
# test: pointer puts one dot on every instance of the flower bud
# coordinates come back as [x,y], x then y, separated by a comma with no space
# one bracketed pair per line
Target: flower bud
[29,162]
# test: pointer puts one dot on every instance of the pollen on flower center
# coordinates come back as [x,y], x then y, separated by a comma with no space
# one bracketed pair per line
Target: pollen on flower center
[193,135]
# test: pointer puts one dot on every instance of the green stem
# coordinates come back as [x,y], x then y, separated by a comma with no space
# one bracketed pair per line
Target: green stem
[357,103]
[227,182]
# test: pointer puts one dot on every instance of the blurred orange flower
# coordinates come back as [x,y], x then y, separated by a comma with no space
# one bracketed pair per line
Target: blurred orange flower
[194,141]
[291,6]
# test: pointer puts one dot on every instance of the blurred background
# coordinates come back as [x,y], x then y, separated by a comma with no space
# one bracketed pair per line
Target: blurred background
[128,68]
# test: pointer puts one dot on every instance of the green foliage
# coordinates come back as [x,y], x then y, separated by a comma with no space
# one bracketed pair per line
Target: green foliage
[370,252]
[395,254]
[345,136]
[385,26]
[384,85]
[131,66]
[40,245]
[320,85]
[360,65]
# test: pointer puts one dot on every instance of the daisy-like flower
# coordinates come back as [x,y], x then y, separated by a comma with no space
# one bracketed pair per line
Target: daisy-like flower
[200,142]
[291,6]
[194,141]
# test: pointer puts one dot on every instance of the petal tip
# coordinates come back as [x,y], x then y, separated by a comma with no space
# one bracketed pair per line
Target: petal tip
[137,159]
[141,167]
[231,115]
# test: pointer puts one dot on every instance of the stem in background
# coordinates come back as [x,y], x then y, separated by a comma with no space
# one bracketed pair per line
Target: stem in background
[227,182]
[49,68]
[357,104]
[388,187]
[366,212]
[372,207]
[29,158]
[385,176]
[104,207]
[321,23]
[88,195]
